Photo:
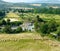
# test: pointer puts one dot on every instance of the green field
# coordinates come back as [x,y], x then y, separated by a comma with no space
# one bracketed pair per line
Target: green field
[17,16]
[13,17]
[27,42]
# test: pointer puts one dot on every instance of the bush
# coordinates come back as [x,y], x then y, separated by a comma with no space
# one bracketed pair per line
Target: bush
[8,21]
[18,30]
[7,29]
[58,35]
[44,28]
[16,23]
[52,26]
[2,22]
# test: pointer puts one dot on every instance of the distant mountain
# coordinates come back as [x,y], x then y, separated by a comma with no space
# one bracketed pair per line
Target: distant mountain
[4,5]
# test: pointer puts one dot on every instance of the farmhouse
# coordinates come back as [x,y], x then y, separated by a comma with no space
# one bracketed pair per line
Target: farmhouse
[27,26]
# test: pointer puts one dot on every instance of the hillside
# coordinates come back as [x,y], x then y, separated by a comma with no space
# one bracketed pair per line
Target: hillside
[4,4]
[27,42]
[29,26]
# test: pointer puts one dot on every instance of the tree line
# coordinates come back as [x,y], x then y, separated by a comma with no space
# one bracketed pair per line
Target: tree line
[47,10]
[6,26]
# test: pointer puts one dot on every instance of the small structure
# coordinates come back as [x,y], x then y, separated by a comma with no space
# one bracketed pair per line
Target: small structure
[27,26]
[14,27]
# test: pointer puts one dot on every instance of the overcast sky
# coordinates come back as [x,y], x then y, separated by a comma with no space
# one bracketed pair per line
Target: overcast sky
[51,1]
[19,0]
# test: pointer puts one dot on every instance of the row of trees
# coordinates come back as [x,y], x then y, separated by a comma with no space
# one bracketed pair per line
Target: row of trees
[47,10]
[8,29]
[7,26]
[2,14]
[48,27]
[7,22]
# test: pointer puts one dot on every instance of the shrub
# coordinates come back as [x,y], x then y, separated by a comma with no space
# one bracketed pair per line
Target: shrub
[18,30]
[7,29]
[44,28]
[52,25]
[8,21]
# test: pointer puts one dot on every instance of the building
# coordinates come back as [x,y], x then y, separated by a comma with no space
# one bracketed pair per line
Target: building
[27,26]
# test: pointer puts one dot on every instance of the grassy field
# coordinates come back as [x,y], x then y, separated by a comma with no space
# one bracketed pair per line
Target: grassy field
[27,42]
[17,16]
[13,17]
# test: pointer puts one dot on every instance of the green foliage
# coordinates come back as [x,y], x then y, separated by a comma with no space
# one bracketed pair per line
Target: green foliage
[58,34]
[48,27]
[16,23]
[47,10]
[2,22]
[2,13]
[58,31]
[8,21]
[44,28]
[36,26]
[37,22]
[52,25]
[18,30]
[7,29]
[38,19]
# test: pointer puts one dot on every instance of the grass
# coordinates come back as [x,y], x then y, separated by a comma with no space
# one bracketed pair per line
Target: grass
[27,42]
[24,45]
[17,16]
[13,17]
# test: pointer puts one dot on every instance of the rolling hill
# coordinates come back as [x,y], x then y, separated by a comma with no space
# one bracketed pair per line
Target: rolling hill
[4,5]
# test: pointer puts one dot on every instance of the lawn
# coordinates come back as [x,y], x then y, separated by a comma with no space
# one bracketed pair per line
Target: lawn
[27,42]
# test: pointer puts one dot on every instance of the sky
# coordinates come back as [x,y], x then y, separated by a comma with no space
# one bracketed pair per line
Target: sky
[38,1]
[19,0]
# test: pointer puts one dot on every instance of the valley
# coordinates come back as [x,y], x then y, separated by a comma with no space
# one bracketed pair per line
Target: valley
[33,26]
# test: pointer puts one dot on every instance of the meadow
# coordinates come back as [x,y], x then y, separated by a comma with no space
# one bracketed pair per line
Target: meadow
[27,42]
[18,16]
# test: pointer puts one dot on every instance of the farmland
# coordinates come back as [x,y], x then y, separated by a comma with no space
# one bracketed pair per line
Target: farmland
[47,17]
[27,42]
[18,40]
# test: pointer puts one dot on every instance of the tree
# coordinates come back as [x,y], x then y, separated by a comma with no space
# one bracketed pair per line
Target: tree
[2,13]
[38,22]
[52,25]
[58,34]
[7,29]
[44,28]
[3,22]
[0,22]
[36,25]
[39,19]
[18,30]
[8,21]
